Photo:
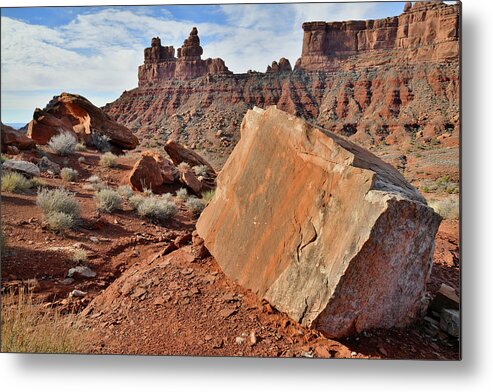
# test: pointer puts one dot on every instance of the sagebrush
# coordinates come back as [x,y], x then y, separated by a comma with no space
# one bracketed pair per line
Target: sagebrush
[108,200]
[63,144]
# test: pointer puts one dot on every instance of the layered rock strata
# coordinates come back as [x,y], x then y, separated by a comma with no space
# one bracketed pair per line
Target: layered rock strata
[321,228]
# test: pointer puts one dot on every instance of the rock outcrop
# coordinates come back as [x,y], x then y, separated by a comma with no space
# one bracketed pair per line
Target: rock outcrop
[321,228]
[10,138]
[398,84]
[424,32]
[160,63]
[150,172]
[75,114]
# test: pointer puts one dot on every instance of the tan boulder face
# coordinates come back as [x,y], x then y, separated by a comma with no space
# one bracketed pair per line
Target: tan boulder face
[146,174]
[321,228]
[74,113]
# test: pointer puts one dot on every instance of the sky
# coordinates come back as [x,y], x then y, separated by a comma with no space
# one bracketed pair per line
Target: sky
[95,51]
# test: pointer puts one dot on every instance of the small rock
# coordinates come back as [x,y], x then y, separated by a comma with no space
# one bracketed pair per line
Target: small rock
[253,339]
[94,239]
[159,301]
[450,322]
[322,352]
[240,340]
[78,293]
[207,338]
[227,312]
[383,351]
[81,271]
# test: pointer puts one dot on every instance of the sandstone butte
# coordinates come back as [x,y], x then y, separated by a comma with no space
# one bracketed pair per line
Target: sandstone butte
[75,114]
[392,80]
[282,224]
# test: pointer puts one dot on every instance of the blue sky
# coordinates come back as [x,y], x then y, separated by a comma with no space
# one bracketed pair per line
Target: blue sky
[95,51]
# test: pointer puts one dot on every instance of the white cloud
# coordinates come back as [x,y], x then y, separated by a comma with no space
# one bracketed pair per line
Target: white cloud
[99,52]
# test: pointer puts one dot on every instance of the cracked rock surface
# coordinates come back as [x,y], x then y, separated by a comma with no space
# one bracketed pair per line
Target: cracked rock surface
[321,228]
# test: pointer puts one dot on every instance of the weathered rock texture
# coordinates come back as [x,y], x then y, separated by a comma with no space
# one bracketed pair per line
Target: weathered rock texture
[160,63]
[321,228]
[392,81]
[75,114]
[11,138]
[425,32]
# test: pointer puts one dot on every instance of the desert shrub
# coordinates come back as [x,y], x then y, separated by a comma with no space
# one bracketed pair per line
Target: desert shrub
[135,201]
[207,196]
[58,200]
[81,160]
[108,159]
[80,147]
[194,205]
[125,191]
[30,327]
[200,170]
[448,208]
[68,174]
[156,209]
[101,142]
[93,179]
[182,194]
[147,192]
[15,182]
[59,221]
[167,197]
[183,166]
[63,144]
[79,256]
[108,200]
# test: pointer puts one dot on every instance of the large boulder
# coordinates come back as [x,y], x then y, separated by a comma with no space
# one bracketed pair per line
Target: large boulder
[29,169]
[76,114]
[151,171]
[179,154]
[12,138]
[321,228]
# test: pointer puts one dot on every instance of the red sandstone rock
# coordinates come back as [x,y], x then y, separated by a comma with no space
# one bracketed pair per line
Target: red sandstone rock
[321,228]
[146,174]
[179,154]
[12,140]
[75,114]
[283,66]
[188,178]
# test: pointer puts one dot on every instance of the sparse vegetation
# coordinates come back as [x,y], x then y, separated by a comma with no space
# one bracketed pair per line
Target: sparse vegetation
[125,191]
[135,201]
[194,205]
[108,200]
[156,209]
[200,170]
[207,196]
[59,221]
[79,256]
[147,192]
[68,174]
[183,166]
[101,142]
[81,160]
[15,182]
[448,208]
[93,179]
[30,327]
[108,159]
[58,200]
[182,194]
[168,197]
[95,184]
[80,147]
[63,144]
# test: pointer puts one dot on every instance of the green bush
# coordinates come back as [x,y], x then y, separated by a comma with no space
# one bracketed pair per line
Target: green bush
[58,200]
[63,144]
[156,209]
[194,205]
[109,159]
[108,200]
[68,174]
[15,182]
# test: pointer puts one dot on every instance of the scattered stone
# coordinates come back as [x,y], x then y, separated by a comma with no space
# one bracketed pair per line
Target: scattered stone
[23,167]
[450,322]
[81,272]
[252,339]
[67,281]
[445,298]
[321,352]
[239,340]
[46,165]
[78,293]
[227,312]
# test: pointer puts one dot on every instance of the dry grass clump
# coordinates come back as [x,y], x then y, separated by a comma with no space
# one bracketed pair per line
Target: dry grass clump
[80,147]
[60,208]
[15,182]
[29,327]
[183,166]
[194,205]
[125,191]
[448,208]
[79,256]
[108,200]
[156,209]
[63,144]
[182,194]
[68,174]
[108,159]
[135,201]
[95,184]
[200,170]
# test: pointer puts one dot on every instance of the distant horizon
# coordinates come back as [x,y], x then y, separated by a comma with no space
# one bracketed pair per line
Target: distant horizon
[95,51]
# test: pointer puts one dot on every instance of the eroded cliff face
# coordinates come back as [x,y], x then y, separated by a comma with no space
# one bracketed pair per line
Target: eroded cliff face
[392,81]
